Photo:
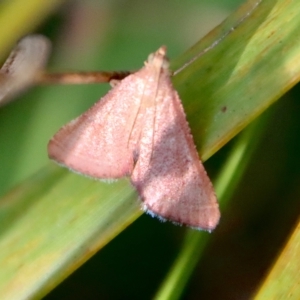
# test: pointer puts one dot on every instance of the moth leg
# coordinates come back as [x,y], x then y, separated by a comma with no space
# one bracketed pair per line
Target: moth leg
[114,82]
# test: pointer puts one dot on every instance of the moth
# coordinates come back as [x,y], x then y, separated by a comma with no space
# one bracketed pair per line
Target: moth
[139,129]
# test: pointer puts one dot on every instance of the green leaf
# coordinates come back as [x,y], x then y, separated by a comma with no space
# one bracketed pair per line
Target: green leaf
[255,61]
[54,222]
[282,281]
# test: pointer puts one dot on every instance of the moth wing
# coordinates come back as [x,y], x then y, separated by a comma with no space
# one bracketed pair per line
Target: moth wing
[99,142]
[168,175]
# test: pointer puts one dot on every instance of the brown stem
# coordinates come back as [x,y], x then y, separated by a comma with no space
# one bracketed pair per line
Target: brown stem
[80,77]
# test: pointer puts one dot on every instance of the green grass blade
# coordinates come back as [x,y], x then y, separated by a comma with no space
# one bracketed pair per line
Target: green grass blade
[282,281]
[54,222]
[255,63]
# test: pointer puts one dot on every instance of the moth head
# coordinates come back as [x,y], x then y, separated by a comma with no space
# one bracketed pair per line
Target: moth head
[159,59]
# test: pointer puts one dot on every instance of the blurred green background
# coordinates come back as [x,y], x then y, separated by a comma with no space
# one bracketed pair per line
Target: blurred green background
[119,35]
